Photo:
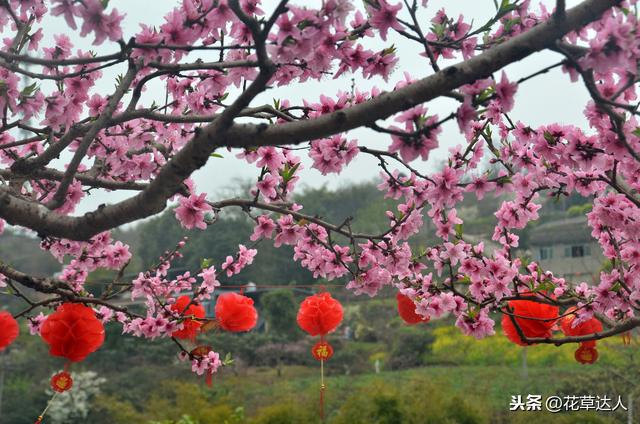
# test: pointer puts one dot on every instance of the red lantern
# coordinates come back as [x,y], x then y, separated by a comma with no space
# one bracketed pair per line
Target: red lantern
[589,326]
[322,351]
[190,326]
[73,332]
[236,312]
[534,319]
[61,382]
[320,314]
[407,310]
[586,354]
[8,329]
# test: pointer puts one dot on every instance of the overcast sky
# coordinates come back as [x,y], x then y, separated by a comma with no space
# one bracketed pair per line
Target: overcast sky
[547,98]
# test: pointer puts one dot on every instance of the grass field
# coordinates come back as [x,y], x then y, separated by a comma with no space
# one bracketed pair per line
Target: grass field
[456,394]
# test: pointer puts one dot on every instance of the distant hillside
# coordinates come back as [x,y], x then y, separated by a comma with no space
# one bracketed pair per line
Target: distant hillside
[363,202]
[23,252]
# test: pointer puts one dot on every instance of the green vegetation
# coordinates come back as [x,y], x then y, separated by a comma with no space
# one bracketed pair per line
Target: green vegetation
[459,394]
[429,373]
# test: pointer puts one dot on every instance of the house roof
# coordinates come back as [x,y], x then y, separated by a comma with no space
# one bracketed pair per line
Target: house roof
[565,231]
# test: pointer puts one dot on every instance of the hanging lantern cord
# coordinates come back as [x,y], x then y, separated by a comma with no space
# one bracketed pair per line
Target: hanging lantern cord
[322,389]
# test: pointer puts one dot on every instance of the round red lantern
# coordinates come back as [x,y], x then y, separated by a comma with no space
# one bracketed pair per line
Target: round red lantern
[190,326]
[590,326]
[322,351]
[320,314]
[235,312]
[407,310]
[61,382]
[534,319]
[73,332]
[586,354]
[9,329]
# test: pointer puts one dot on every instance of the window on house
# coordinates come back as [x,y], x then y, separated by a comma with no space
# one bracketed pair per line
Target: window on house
[577,251]
[546,253]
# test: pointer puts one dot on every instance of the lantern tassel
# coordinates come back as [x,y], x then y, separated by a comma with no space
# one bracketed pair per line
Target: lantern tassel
[626,338]
[322,389]
[44,412]
[209,379]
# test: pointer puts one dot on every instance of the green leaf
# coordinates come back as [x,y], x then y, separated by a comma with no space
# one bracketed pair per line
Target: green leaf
[458,228]
[473,313]
[438,30]
[485,95]
[464,280]
[636,132]
[504,180]
[389,50]
[550,138]
[510,23]
[288,172]
[486,37]
[119,79]
[227,359]
[216,155]
[506,7]
[105,4]
[546,285]
[303,24]
[30,89]
[420,121]
[205,262]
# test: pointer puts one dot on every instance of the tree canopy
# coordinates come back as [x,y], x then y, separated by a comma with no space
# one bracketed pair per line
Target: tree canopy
[62,138]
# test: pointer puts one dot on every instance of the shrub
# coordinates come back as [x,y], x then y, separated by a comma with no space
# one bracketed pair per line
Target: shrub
[414,402]
[410,346]
[285,414]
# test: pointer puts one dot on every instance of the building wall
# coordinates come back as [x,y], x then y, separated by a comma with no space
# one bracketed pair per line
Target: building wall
[564,260]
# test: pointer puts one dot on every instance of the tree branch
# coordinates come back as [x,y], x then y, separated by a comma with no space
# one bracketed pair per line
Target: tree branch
[100,123]
[222,132]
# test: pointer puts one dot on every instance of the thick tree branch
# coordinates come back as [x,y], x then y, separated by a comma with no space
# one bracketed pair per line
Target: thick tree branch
[481,66]
[222,132]
[85,180]
[42,285]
